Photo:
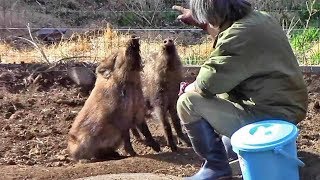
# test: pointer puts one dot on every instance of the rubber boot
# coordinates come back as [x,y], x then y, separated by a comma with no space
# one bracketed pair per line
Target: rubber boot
[232,156]
[208,145]
[227,145]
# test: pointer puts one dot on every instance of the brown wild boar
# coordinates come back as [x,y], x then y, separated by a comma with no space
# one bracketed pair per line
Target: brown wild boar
[114,106]
[162,75]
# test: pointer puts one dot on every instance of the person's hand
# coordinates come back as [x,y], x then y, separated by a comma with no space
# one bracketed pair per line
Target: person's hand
[191,88]
[183,86]
[186,17]
[186,87]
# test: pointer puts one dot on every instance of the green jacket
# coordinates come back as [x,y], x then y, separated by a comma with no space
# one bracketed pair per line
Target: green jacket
[254,64]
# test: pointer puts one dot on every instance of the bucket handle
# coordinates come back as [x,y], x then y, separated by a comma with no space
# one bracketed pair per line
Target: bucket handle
[279,150]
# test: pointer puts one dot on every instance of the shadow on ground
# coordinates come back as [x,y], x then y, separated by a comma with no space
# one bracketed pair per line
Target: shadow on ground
[312,169]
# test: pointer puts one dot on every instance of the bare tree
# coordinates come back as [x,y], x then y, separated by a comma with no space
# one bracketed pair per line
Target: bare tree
[139,7]
[311,11]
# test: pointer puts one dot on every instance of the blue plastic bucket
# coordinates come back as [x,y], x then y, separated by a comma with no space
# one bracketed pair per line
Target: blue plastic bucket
[267,150]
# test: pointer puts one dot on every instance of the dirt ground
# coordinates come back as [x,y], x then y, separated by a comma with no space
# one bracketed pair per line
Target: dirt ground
[37,109]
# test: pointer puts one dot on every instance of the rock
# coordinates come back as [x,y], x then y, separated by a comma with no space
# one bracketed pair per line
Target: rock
[21,126]
[34,151]
[11,162]
[32,101]
[30,163]
[51,35]
[316,105]
[61,157]
[7,115]
[6,76]
[57,164]
[29,135]
[15,116]
[70,116]
[82,76]
[6,128]
[18,105]
[11,109]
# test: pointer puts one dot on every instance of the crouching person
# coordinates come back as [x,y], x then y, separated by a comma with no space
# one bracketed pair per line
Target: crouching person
[252,75]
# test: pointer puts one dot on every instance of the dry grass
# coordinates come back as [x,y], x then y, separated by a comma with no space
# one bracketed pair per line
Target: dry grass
[96,46]
[315,48]
[88,47]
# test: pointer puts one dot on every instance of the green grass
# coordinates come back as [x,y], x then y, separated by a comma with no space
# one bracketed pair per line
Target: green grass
[302,43]
[315,58]
[303,40]
[305,44]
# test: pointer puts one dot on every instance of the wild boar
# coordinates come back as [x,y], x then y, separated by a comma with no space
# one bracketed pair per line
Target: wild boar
[114,106]
[162,75]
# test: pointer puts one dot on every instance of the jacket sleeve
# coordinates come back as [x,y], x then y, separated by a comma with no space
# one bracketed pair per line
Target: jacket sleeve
[228,65]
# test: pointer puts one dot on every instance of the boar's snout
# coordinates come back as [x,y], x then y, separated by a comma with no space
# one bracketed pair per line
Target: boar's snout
[168,46]
[168,42]
[134,41]
[135,37]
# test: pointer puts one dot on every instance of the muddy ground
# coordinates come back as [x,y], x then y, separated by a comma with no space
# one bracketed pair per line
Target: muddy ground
[38,105]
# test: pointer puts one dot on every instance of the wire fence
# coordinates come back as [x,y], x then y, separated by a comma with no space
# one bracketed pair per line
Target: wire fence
[62,30]
[94,44]
[130,18]
[193,45]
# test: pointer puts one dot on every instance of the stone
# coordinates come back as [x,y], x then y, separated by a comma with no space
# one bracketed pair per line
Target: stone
[82,76]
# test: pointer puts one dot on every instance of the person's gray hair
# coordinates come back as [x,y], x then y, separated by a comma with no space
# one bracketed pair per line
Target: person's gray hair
[217,12]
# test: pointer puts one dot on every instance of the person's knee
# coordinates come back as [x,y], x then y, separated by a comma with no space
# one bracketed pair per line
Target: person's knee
[184,101]
[185,107]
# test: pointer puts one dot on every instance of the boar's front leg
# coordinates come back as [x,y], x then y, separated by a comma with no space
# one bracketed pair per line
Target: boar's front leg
[127,143]
[177,125]
[160,113]
[143,127]
[135,133]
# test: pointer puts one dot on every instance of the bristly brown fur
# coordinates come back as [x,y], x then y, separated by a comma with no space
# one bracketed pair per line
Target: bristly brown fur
[161,80]
[113,107]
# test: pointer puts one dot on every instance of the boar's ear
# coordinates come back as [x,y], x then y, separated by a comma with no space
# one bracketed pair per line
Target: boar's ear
[107,67]
[119,62]
[105,72]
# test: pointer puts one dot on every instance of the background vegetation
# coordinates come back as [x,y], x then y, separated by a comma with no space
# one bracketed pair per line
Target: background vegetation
[88,36]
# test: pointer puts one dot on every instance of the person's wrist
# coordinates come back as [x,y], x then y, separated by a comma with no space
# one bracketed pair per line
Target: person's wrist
[183,86]
[204,26]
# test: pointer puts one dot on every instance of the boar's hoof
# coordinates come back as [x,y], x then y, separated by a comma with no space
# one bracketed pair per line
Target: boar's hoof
[154,145]
[102,156]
